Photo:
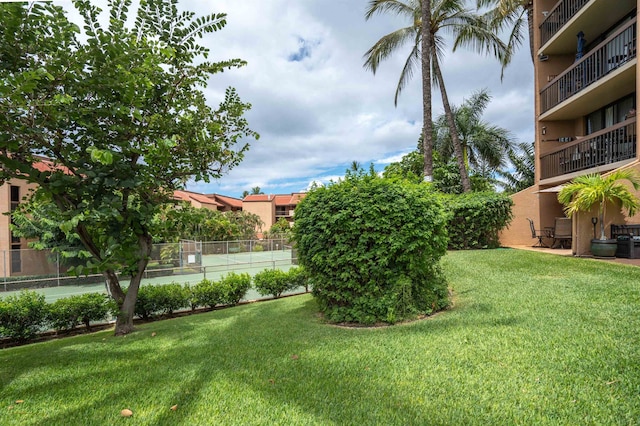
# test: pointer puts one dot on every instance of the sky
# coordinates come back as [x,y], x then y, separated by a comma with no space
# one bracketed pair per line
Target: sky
[314,105]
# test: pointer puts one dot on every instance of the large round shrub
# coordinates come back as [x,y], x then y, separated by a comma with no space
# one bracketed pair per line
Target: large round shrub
[371,249]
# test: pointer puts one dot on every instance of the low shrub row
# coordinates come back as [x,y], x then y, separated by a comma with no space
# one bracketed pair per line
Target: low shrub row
[25,315]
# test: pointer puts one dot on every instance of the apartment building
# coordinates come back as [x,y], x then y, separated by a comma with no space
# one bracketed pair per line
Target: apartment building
[15,258]
[271,208]
[586,86]
[217,202]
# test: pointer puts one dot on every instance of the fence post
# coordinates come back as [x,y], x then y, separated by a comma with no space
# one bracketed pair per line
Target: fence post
[204,272]
[58,268]
[4,268]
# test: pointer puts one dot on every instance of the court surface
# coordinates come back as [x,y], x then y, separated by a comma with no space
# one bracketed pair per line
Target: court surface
[213,267]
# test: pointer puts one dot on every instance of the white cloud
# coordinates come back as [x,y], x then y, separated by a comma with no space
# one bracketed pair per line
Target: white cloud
[315,106]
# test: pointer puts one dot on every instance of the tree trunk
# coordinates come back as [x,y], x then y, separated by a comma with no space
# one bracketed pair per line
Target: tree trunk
[124,321]
[457,146]
[529,7]
[427,123]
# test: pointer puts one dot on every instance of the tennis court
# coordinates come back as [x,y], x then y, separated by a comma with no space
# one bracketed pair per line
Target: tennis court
[211,266]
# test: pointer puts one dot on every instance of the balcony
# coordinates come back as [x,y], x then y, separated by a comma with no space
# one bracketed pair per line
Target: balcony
[610,55]
[558,36]
[558,17]
[608,146]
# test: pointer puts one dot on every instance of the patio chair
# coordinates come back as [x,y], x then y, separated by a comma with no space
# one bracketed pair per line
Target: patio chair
[562,232]
[540,234]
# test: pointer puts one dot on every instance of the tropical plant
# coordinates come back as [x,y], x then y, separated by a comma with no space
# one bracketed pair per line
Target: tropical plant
[419,14]
[583,192]
[447,16]
[521,175]
[108,124]
[512,16]
[484,146]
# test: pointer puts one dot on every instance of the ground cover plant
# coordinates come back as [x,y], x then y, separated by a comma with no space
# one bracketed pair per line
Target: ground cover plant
[531,338]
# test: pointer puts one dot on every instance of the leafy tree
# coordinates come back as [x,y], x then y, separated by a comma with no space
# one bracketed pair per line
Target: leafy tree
[109,124]
[522,176]
[184,221]
[280,229]
[450,16]
[38,221]
[245,224]
[446,175]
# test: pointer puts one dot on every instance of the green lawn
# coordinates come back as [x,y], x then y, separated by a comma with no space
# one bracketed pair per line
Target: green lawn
[531,339]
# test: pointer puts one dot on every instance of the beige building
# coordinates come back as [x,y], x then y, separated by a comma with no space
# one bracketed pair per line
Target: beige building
[217,202]
[15,259]
[586,85]
[270,208]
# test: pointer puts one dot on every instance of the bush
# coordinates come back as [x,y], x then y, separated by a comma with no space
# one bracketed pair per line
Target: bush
[475,219]
[161,299]
[234,287]
[370,248]
[68,313]
[298,278]
[23,316]
[208,293]
[272,281]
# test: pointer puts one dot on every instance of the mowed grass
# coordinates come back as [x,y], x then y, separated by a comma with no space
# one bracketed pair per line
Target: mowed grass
[531,339]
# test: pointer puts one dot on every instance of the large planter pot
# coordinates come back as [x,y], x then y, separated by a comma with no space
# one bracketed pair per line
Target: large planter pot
[604,248]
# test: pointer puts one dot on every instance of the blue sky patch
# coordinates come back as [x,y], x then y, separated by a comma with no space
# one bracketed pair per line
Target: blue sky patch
[304,50]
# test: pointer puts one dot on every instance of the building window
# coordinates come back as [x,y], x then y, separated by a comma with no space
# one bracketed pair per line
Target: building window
[610,115]
[16,263]
[15,197]
[15,201]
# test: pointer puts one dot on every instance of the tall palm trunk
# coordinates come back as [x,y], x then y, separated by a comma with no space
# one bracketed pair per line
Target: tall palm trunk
[457,146]
[427,123]
[528,5]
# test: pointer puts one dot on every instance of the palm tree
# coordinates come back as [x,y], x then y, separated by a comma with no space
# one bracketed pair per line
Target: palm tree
[513,15]
[427,114]
[522,159]
[484,146]
[449,16]
[583,192]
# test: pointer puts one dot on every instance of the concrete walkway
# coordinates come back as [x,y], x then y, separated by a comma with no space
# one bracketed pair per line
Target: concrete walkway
[567,252]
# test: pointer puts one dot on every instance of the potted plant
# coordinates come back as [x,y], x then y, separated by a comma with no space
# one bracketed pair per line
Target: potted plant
[583,192]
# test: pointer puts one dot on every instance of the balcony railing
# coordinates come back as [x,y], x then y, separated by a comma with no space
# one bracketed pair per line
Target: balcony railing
[609,55]
[557,17]
[613,144]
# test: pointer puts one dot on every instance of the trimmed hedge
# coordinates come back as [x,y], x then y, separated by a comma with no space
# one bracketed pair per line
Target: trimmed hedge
[235,287]
[66,314]
[275,282]
[23,316]
[370,248]
[476,218]
[161,299]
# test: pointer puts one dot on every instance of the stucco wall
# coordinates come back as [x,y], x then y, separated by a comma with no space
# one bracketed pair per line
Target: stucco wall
[265,209]
[525,205]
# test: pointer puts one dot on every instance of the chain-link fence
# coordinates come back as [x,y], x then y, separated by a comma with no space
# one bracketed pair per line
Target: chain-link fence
[185,260]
